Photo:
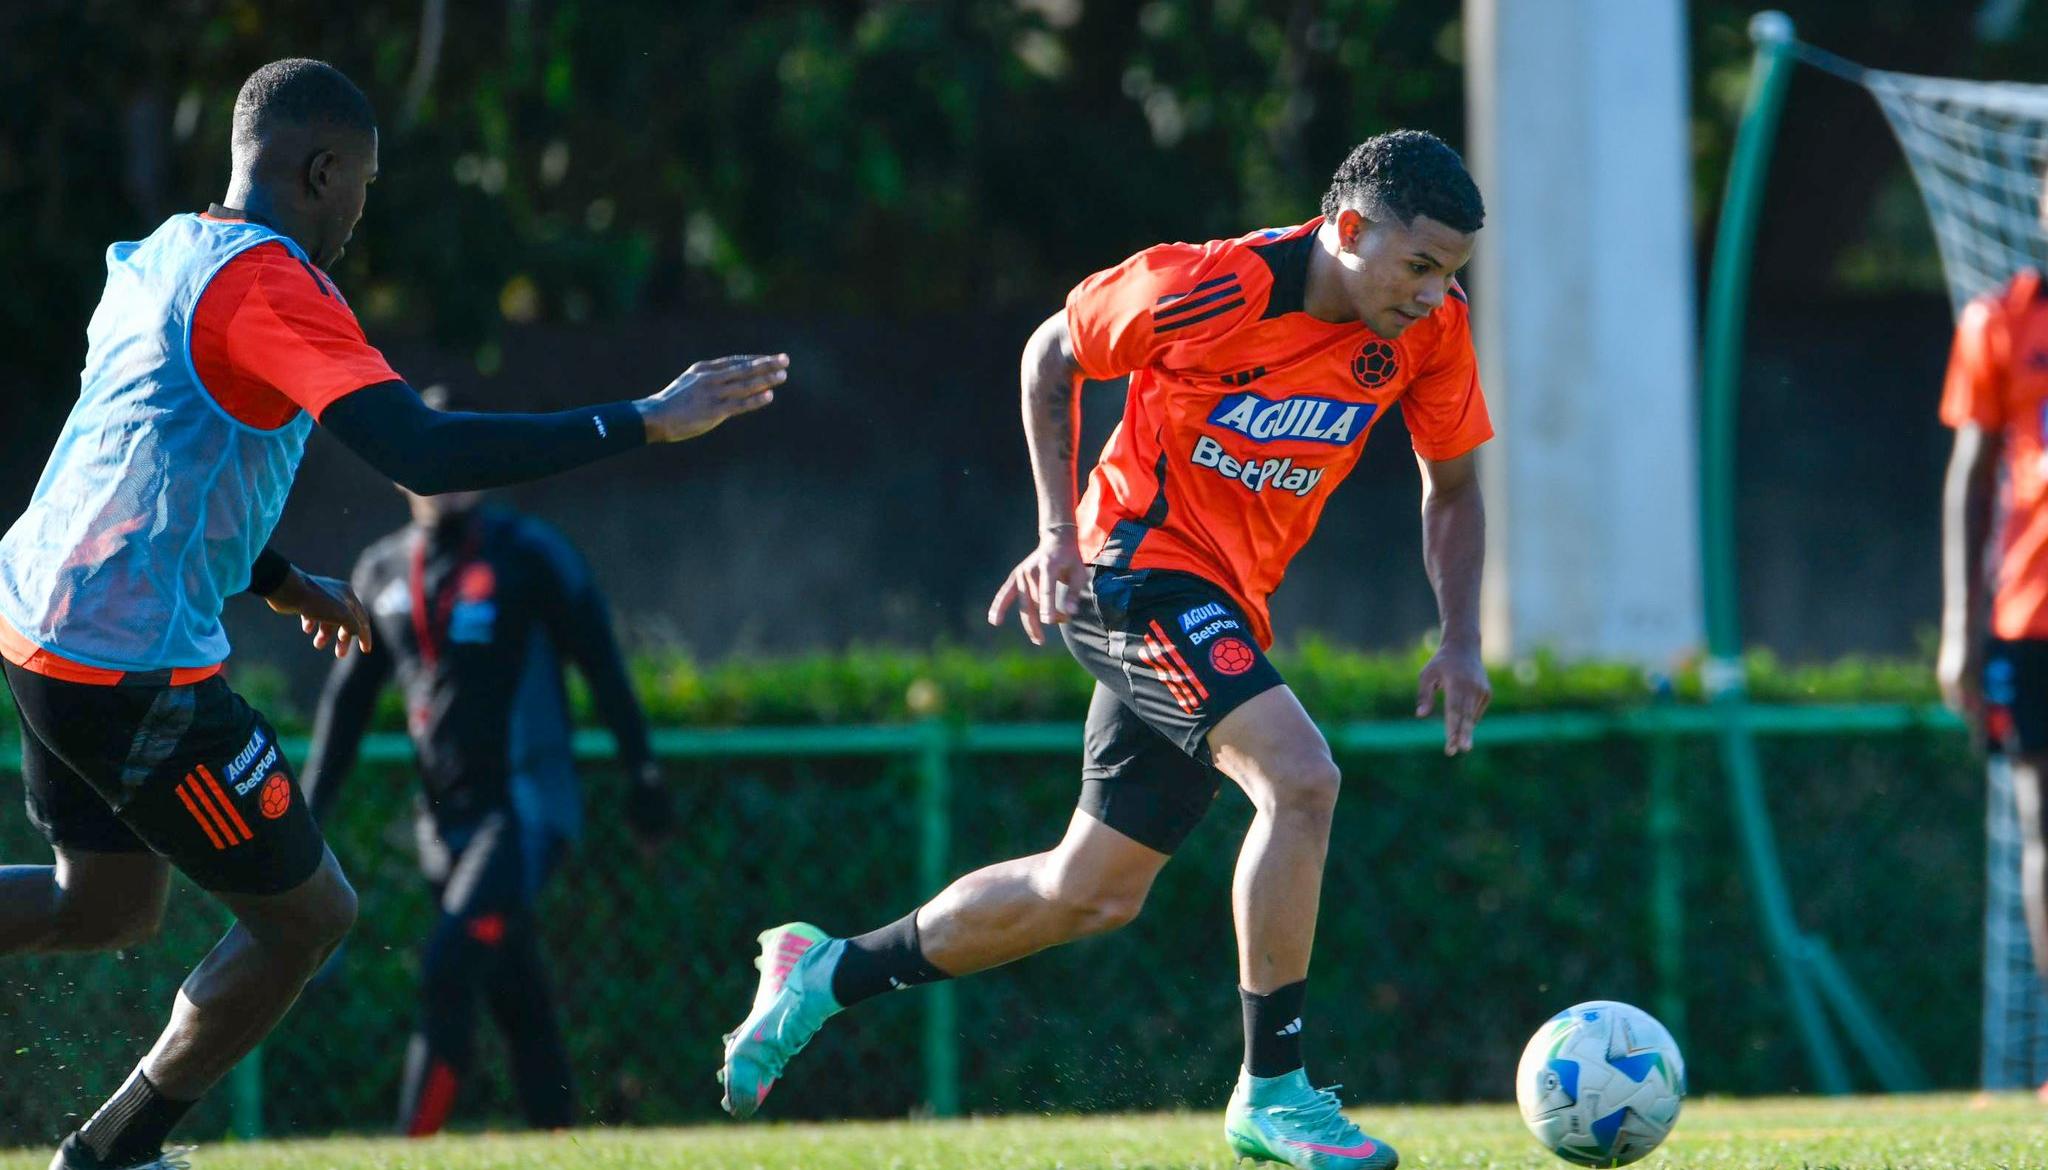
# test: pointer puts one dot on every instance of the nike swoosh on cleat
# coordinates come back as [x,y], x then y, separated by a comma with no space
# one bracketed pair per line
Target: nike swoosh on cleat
[1361,1150]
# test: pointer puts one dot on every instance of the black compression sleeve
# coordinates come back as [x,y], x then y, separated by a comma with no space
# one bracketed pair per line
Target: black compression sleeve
[431,451]
[268,573]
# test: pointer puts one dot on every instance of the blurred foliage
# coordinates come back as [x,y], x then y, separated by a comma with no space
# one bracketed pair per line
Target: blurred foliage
[881,685]
[565,159]
[572,159]
[1841,208]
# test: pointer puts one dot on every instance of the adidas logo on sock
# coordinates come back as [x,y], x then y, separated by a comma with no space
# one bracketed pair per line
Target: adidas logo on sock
[1293,1028]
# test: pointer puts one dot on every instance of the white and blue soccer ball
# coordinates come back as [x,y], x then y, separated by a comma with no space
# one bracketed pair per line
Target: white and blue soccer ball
[1601,1083]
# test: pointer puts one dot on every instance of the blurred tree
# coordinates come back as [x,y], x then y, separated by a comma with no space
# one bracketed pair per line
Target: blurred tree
[1841,209]
[568,158]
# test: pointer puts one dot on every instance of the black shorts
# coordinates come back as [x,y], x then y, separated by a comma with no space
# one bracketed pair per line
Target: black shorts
[1172,655]
[2016,695]
[191,772]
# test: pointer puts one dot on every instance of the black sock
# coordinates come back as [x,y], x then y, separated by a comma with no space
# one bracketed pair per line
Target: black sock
[881,960]
[1272,1030]
[132,1125]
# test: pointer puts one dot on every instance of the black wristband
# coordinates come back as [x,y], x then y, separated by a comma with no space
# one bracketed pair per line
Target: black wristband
[268,573]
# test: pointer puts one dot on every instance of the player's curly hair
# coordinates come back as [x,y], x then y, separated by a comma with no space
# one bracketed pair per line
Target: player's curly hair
[298,91]
[1405,173]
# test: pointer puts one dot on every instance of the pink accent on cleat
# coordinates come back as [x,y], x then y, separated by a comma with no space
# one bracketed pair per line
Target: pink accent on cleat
[761,1094]
[787,952]
[1361,1150]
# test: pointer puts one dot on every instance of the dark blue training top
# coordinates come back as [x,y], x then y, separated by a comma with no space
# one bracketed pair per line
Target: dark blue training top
[458,611]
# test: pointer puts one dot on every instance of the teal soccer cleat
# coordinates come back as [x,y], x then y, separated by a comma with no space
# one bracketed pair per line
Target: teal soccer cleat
[1284,1119]
[793,999]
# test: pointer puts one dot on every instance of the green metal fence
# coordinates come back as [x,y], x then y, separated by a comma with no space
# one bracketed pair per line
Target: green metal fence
[1578,853]
[1814,983]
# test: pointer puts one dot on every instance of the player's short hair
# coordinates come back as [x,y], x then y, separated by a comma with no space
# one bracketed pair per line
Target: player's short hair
[298,91]
[1405,173]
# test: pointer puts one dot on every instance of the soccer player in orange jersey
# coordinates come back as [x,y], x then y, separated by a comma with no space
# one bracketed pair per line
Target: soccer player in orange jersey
[1257,367]
[1993,664]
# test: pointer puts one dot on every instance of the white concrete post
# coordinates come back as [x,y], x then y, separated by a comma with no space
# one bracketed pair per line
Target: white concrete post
[1583,302]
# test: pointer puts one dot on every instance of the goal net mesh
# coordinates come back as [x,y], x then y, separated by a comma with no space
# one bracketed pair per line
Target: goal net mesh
[1977,150]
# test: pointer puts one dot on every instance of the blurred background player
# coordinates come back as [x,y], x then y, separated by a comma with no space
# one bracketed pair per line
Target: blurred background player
[1257,367]
[218,343]
[475,607]
[1993,661]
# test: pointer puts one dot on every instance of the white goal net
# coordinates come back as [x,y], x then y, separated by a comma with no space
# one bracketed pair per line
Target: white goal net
[1977,151]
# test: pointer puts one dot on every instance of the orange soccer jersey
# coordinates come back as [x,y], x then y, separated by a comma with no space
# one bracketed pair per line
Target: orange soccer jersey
[1244,412]
[1998,379]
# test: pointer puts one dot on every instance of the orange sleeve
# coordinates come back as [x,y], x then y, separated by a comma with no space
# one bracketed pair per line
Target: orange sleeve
[1444,408]
[1974,391]
[1162,306]
[294,333]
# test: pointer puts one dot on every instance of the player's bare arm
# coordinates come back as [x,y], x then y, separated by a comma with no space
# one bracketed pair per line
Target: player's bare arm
[1044,585]
[1454,553]
[1966,508]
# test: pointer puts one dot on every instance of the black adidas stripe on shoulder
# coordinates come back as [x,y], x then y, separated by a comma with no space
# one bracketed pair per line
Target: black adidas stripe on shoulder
[1211,298]
[1286,257]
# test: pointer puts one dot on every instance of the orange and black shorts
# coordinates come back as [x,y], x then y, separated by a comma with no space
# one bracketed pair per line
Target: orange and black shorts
[1172,655]
[2016,695]
[191,772]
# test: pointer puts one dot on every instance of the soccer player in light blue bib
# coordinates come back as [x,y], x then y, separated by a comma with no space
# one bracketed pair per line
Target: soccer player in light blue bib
[219,343]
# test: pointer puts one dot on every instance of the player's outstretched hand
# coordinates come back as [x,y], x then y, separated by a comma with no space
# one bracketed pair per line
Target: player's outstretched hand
[1045,586]
[1461,676]
[327,609]
[710,392]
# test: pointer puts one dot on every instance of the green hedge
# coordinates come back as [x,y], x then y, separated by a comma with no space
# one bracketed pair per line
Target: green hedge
[886,686]
[1466,900]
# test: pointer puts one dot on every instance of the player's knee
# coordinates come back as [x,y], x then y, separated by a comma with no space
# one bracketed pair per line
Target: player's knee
[135,928]
[1117,909]
[324,919]
[1306,789]
[1095,909]
[109,928]
[337,915]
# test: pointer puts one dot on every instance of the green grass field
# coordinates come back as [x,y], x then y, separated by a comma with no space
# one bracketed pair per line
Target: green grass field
[1895,1133]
